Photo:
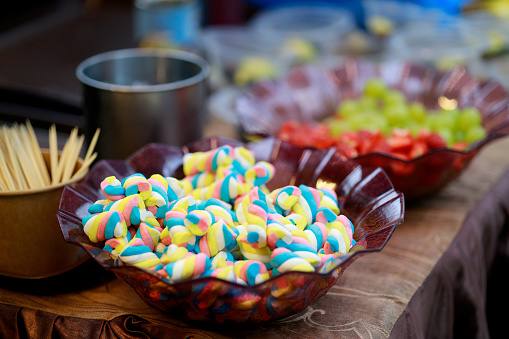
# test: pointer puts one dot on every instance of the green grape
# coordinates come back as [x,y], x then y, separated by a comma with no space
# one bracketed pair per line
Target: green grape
[357,122]
[393,98]
[433,122]
[375,121]
[417,112]
[448,119]
[347,107]
[396,115]
[375,88]
[447,135]
[469,117]
[459,136]
[475,133]
[452,117]
[367,103]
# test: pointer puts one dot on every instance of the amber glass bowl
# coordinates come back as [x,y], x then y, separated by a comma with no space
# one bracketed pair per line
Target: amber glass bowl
[366,196]
[312,94]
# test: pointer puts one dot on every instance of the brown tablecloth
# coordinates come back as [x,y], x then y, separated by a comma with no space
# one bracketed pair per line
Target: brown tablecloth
[466,292]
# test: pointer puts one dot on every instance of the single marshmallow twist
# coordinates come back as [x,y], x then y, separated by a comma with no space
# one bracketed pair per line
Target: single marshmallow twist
[201,179]
[308,203]
[316,234]
[137,184]
[327,262]
[220,210]
[116,245]
[340,231]
[339,240]
[285,198]
[112,188]
[98,206]
[242,205]
[258,175]
[216,239]
[348,226]
[329,199]
[158,203]
[132,207]
[277,234]
[244,159]
[105,225]
[140,255]
[184,205]
[174,253]
[226,189]
[148,234]
[175,231]
[226,273]
[249,252]
[222,259]
[253,212]
[326,216]
[207,161]
[306,252]
[199,221]
[187,268]
[251,272]
[284,260]
[177,188]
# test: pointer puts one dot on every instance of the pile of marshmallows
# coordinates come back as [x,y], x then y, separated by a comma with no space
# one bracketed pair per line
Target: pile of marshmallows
[219,221]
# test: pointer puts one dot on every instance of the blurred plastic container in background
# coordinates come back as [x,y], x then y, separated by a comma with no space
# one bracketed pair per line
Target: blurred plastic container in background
[443,43]
[273,41]
[323,26]
[167,23]
[239,55]
[381,17]
[495,58]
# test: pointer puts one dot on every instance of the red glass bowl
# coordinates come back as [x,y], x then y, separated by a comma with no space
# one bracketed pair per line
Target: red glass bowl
[365,195]
[311,94]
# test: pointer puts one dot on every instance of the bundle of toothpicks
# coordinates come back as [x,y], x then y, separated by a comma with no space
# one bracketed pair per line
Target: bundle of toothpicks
[22,165]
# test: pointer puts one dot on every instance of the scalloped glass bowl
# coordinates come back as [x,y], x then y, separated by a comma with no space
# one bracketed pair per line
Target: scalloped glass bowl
[366,196]
[311,94]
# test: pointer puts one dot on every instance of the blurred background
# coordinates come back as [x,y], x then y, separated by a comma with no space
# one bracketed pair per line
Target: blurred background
[42,42]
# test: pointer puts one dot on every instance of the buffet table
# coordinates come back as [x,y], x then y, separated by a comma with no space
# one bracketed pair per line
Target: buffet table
[438,274]
[442,274]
